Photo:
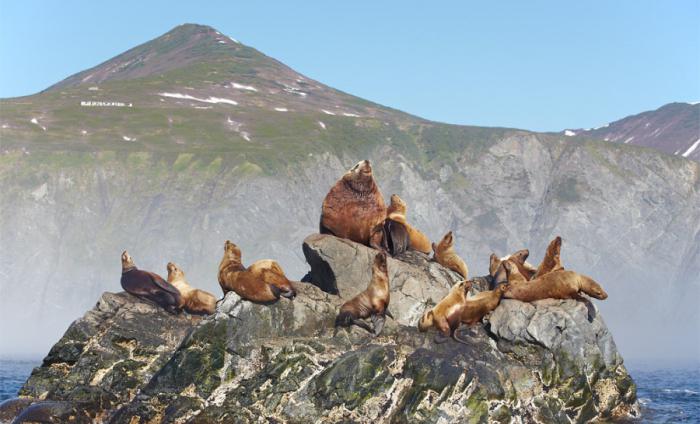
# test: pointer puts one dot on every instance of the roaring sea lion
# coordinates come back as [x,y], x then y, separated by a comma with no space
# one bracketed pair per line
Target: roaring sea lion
[397,212]
[263,281]
[552,260]
[477,306]
[446,256]
[554,285]
[446,316]
[354,206]
[194,301]
[519,258]
[148,285]
[372,303]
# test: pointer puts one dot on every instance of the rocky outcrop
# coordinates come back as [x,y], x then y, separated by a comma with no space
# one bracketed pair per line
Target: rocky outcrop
[105,357]
[548,361]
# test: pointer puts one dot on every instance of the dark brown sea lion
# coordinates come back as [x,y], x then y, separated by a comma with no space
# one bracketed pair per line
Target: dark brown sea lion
[148,285]
[372,303]
[446,316]
[553,285]
[194,301]
[264,281]
[354,206]
[446,256]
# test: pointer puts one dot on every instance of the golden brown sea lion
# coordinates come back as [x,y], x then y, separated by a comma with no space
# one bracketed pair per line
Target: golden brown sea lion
[397,212]
[263,281]
[148,285]
[194,301]
[498,272]
[446,256]
[354,206]
[554,285]
[477,306]
[552,260]
[372,303]
[446,316]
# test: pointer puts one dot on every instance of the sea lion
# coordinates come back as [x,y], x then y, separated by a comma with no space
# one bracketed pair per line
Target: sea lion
[264,281]
[554,285]
[354,206]
[397,212]
[477,306]
[372,303]
[390,236]
[446,316]
[194,301]
[148,285]
[446,256]
[552,260]
[498,272]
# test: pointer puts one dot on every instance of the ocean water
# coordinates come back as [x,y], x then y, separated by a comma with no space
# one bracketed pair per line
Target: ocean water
[665,395]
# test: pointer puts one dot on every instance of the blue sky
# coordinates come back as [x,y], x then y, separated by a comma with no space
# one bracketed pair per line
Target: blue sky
[541,65]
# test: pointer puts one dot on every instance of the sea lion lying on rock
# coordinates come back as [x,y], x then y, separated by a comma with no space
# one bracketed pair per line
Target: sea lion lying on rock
[263,281]
[194,301]
[554,285]
[446,316]
[148,285]
[446,256]
[498,272]
[354,206]
[372,303]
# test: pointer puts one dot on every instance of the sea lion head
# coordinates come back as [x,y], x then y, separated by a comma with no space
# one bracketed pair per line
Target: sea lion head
[595,290]
[127,261]
[502,289]
[462,287]
[397,205]
[380,263]
[446,241]
[520,256]
[359,177]
[426,321]
[174,271]
[231,248]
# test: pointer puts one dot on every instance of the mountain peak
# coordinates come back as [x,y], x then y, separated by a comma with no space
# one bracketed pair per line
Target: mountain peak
[183,45]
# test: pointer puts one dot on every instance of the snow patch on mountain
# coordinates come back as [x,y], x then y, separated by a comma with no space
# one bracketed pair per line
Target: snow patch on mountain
[691,149]
[243,87]
[215,100]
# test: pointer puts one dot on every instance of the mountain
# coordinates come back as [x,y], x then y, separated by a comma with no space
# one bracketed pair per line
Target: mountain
[192,138]
[673,128]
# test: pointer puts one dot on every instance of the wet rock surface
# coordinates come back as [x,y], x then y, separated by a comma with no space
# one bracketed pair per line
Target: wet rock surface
[547,361]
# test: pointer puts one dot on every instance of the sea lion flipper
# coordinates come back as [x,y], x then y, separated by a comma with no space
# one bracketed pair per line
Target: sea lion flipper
[362,324]
[161,283]
[387,313]
[378,321]
[457,339]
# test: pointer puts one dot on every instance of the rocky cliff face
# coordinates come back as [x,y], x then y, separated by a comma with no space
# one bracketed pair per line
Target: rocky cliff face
[549,361]
[628,218]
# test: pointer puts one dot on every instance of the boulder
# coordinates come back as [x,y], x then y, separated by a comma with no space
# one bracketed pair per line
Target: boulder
[547,361]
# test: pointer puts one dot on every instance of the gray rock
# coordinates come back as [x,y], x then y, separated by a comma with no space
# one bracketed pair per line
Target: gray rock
[549,361]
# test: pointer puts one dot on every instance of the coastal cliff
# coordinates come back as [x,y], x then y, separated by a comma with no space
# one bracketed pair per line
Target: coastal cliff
[127,361]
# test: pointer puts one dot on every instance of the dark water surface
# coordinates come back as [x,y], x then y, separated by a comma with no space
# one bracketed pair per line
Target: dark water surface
[665,395]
